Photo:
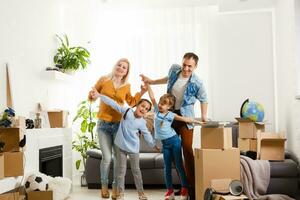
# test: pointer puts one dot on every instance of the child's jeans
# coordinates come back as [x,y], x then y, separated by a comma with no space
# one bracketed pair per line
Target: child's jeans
[135,169]
[172,151]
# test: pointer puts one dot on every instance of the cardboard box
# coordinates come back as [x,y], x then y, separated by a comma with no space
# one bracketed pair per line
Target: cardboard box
[229,197]
[58,119]
[270,146]
[11,164]
[215,164]
[216,138]
[40,195]
[249,129]
[247,144]
[11,138]
[10,196]
[220,185]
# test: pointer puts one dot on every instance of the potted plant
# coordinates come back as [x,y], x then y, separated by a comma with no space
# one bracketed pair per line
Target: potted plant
[86,137]
[71,59]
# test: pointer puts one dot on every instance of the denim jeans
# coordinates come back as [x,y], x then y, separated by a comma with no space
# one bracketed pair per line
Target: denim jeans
[107,132]
[172,151]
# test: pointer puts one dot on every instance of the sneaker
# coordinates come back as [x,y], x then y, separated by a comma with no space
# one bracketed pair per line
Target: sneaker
[114,193]
[120,196]
[104,192]
[184,193]
[142,196]
[169,195]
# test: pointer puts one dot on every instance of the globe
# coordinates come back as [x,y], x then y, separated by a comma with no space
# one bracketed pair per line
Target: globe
[253,111]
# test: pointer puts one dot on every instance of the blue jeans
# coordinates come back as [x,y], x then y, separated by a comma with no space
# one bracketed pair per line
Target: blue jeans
[172,151]
[107,132]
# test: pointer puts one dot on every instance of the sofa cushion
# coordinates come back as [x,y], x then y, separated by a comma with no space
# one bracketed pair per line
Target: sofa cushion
[145,148]
[147,160]
[286,168]
[94,153]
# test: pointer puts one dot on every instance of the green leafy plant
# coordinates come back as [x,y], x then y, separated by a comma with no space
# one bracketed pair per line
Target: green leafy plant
[71,58]
[86,138]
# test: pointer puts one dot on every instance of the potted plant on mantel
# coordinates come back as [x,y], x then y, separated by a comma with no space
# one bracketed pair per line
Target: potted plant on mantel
[70,59]
[86,138]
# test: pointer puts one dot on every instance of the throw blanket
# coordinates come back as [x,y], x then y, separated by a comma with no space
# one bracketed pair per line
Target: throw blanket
[255,176]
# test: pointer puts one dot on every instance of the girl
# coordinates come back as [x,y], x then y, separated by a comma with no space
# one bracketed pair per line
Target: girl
[170,141]
[116,86]
[127,142]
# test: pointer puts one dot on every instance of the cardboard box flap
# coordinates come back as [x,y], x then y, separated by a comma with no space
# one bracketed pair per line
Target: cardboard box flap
[269,135]
[241,120]
[272,139]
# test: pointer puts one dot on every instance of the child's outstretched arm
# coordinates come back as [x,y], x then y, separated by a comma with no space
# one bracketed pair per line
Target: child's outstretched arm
[112,103]
[187,119]
[147,136]
[151,95]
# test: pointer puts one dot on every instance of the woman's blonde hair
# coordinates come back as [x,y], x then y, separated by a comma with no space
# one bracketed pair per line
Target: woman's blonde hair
[125,78]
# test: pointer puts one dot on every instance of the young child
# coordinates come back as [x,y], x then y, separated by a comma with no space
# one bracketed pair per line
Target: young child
[171,144]
[127,142]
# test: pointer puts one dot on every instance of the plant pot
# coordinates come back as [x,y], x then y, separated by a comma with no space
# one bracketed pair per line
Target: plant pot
[68,71]
[83,182]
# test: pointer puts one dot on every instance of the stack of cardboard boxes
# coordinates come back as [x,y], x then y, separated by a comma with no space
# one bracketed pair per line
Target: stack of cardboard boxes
[253,138]
[11,158]
[217,162]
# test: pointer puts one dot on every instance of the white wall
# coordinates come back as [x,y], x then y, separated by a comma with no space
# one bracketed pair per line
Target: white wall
[257,37]
[242,66]
[288,106]
[28,44]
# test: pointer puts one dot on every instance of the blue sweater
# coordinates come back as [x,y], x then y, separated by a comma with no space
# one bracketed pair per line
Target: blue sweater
[127,137]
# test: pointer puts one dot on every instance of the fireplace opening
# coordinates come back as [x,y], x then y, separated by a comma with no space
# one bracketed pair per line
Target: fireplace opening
[51,161]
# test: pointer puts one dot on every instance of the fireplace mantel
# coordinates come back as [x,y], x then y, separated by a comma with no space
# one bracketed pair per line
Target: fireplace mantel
[38,139]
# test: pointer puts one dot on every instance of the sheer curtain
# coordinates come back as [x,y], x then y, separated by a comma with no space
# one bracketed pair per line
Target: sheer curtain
[152,39]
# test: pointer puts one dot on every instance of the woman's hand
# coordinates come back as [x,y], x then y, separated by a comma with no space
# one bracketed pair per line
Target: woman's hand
[94,94]
[146,79]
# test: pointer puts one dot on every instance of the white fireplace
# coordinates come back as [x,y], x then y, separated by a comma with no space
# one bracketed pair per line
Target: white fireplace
[40,139]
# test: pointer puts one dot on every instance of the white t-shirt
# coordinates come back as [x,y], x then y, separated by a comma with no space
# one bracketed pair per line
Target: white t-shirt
[178,90]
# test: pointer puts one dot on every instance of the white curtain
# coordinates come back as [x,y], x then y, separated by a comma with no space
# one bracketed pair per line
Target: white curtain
[152,39]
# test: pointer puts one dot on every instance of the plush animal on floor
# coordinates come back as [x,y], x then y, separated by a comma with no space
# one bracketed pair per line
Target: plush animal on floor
[60,186]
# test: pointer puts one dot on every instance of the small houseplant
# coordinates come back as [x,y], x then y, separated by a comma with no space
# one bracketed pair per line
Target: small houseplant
[86,137]
[71,59]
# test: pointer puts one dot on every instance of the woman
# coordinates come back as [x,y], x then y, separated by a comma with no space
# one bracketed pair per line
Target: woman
[185,85]
[114,85]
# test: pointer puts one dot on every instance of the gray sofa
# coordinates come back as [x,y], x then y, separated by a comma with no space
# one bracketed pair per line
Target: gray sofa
[151,165]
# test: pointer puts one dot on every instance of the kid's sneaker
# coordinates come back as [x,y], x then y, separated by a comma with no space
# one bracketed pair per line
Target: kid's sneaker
[169,195]
[142,196]
[184,194]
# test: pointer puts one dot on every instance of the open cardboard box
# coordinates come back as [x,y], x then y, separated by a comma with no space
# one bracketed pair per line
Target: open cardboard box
[247,144]
[11,138]
[215,164]
[248,128]
[270,146]
[58,118]
[40,195]
[216,138]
